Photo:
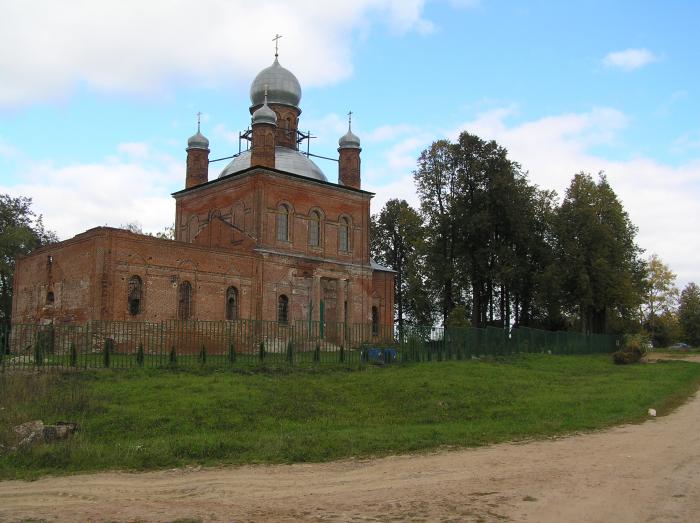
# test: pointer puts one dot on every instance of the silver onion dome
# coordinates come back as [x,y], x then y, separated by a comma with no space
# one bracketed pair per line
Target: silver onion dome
[264,114]
[282,86]
[198,141]
[286,159]
[349,140]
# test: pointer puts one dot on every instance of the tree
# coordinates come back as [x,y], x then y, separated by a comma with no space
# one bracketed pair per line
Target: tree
[21,231]
[397,236]
[599,261]
[689,314]
[660,298]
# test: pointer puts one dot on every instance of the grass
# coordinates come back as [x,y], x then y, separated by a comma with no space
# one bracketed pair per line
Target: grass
[154,418]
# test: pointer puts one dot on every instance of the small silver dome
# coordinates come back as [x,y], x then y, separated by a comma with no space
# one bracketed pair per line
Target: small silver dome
[198,141]
[264,114]
[349,140]
[286,159]
[282,86]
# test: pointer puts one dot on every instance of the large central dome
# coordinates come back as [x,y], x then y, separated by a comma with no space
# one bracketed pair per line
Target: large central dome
[282,87]
[286,159]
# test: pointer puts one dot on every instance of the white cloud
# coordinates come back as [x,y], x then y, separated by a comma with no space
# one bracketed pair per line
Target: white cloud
[140,47]
[134,150]
[74,198]
[629,59]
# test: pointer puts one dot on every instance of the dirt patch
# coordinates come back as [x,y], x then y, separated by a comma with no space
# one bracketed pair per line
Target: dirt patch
[643,472]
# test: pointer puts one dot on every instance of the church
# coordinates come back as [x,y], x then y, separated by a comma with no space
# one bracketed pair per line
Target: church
[270,238]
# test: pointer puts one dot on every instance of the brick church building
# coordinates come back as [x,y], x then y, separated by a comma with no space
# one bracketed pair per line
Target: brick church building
[270,238]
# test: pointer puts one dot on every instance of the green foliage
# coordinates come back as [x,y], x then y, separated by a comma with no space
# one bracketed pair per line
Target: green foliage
[231,355]
[177,418]
[458,317]
[39,351]
[73,355]
[397,236]
[140,356]
[107,352]
[689,314]
[290,352]
[173,356]
[21,231]
[634,348]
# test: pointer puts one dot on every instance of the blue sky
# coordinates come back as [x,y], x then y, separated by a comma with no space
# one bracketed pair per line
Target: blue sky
[97,99]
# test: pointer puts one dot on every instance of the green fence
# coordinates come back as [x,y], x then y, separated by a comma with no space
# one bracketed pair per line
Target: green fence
[255,343]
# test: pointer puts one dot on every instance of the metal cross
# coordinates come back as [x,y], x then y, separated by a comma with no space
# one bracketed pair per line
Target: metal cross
[199,115]
[349,119]
[276,40]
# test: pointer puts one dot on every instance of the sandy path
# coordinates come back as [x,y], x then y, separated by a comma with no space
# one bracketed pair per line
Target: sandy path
[645,472]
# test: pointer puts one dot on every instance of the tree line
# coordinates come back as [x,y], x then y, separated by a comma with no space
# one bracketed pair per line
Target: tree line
[486,247]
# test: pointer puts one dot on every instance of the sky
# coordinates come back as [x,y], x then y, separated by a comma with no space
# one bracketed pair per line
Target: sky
[97,99]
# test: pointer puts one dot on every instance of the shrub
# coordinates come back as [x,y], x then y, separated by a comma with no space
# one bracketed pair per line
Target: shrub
[73,355]
[633,349]
[290,352]
[139,355]
[107,353]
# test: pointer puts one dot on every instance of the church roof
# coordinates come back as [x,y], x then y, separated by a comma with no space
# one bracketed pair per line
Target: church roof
[286,159]
[281,84]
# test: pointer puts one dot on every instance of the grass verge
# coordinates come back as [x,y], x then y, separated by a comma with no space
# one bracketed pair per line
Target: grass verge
[147,419]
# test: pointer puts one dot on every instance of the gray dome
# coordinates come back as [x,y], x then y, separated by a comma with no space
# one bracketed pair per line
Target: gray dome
[349,141]
[265,115]
[286,159]
[198,141]
[282,86]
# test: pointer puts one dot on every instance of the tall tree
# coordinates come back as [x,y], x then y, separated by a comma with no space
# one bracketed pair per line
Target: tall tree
[21,231]
[397,237]
[598,258]
[660,297]
[689,314]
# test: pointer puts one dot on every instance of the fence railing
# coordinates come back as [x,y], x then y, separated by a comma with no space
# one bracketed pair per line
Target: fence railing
[264,343]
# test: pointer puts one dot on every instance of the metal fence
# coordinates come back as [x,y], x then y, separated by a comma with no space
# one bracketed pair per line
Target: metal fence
[256,343]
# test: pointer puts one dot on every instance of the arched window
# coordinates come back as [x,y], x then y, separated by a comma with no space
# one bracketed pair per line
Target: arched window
[134,297]
[49,298]
[375,321]
[283,309]
[283,223]
[344,235]
[232,303]
[184,303]
[315,229]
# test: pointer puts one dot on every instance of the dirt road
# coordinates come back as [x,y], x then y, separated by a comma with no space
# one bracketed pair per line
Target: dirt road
[645,472]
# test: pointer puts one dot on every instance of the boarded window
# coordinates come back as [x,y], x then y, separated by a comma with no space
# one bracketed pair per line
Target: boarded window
[49,298]
[184,303]
[283,309]
[134,297]
[344,235]
[375,321]
[315,229]
[232,303]
[283,223]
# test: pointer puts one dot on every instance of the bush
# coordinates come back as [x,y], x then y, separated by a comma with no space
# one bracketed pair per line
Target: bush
[633,349]
[73,355]
[107,353]
[139,355]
